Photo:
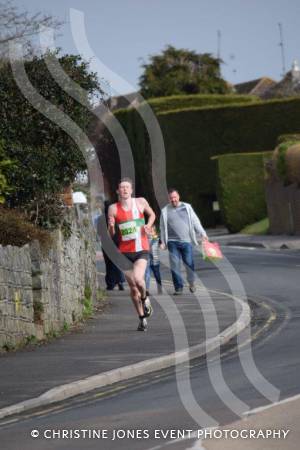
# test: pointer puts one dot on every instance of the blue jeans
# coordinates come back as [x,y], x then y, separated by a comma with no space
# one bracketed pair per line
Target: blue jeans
[155,268]
[181,251]
[113,273]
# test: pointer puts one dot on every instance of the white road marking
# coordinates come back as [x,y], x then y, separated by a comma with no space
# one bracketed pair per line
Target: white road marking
[264,408]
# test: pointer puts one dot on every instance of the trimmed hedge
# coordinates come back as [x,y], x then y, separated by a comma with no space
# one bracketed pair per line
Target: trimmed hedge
[193,136]
[241,191]
[175,102]
[288,138]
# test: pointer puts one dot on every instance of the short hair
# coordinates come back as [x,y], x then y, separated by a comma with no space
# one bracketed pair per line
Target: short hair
[127,180]
[172,189]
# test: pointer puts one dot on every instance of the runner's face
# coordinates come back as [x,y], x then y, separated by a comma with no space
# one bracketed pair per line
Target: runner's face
[125,190]
[174,198]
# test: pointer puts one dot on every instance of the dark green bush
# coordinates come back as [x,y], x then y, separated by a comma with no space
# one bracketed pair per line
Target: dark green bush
[241,191]
[47,157]
[280,160]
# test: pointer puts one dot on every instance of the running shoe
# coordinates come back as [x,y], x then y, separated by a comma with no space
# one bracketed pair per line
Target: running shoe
[142,325]
[148,310]
[192,288]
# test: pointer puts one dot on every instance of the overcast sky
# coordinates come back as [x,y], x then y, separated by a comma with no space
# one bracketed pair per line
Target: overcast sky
[121,32]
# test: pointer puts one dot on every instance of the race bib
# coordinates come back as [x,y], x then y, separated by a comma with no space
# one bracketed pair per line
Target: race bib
[128,230]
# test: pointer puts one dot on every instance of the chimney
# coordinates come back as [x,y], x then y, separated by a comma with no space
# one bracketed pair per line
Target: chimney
[295,70]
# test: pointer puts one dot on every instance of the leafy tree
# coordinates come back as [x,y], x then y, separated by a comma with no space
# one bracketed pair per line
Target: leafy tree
[46,157]
[181,71]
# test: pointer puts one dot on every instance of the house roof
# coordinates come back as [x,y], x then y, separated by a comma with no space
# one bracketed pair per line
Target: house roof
[121,101]
[289,86]
[257,87]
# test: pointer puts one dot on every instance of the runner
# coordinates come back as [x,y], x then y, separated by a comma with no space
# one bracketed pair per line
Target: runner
[128,215]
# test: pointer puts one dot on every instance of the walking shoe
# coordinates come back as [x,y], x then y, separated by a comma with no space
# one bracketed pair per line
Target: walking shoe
[192,288]
[121,287]
[142,324]
[178,291]
[148,310]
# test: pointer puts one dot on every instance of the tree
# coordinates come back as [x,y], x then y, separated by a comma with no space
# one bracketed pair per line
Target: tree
[181,71]
[46,157]
[16,24]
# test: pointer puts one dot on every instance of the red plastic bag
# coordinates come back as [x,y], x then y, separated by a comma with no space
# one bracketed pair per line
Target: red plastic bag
[211,251]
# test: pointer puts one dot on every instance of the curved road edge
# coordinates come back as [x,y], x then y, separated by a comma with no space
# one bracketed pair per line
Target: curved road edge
[75,388]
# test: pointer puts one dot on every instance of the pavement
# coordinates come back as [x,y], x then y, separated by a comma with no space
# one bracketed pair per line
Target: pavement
[269,242]
[108,348]
[265,418]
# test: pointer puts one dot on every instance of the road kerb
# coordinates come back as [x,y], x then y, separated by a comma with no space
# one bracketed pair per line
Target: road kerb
[75,388]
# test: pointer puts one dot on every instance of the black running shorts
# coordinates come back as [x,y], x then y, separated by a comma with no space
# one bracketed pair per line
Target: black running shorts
[134,256]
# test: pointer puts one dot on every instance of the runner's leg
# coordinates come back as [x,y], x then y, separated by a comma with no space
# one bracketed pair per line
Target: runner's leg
[139,268]
[134,292]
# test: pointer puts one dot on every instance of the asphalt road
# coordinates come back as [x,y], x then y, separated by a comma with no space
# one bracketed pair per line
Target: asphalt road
[154,404]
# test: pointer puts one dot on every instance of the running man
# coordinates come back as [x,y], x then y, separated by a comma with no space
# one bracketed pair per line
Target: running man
[127,215]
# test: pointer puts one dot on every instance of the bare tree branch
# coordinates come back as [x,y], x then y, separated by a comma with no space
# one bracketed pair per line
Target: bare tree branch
[17,24]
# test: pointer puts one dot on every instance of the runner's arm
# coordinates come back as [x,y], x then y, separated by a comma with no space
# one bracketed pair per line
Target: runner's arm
[111,220]
[150,213]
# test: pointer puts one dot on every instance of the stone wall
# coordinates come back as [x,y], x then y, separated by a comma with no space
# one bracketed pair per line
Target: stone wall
[43,291]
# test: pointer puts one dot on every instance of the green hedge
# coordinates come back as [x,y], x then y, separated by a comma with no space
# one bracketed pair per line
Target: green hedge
[193,136]
[175,102]
[288,138]
[241,191]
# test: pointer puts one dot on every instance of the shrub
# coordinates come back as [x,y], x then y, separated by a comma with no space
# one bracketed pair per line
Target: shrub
[241,191]
[16,230]
[280,154]
[280,157]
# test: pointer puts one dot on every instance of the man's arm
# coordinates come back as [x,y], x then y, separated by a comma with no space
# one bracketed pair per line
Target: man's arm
[197,225]
[150,213]
[111,219]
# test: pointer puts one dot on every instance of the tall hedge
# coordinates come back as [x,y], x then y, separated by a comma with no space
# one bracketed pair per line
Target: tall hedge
[193,136]
[240,188]
[175,102]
